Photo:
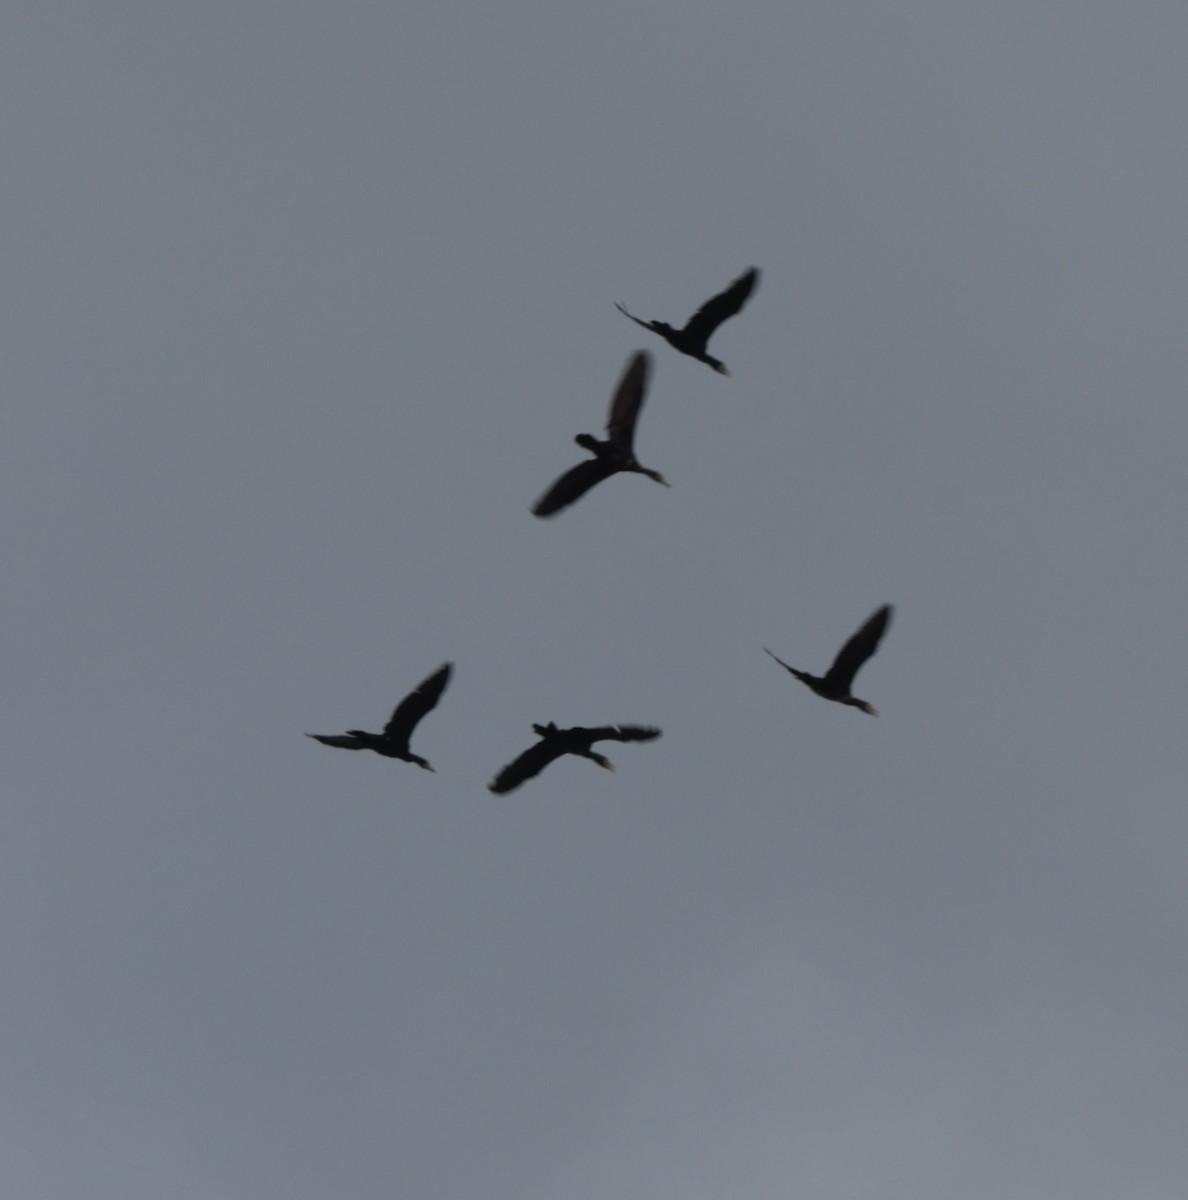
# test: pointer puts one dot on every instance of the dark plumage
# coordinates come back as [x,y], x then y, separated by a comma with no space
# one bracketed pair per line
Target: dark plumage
[837,681]
[393,742]
[693,338]
[616,454]
[555,742]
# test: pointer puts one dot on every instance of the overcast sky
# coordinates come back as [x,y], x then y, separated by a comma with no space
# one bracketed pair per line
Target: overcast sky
[303,304]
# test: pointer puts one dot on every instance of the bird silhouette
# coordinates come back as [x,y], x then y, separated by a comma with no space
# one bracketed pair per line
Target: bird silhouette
[393,742]
[693,338]
[835,684]
[555,742]
[616,453]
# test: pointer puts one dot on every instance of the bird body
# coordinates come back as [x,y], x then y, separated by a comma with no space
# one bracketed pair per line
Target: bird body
[393,742]
[836,683]
[555,742]
[694,337]
[616,453]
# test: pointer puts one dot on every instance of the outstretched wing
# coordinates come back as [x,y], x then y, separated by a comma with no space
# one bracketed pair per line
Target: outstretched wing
[417,703]
[343,741]
[624,733]
[574,484]
[723,306]
[530,763]
[858,649]
[628,399]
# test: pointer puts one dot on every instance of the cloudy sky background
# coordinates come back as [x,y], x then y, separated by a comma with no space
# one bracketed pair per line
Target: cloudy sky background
[302,306]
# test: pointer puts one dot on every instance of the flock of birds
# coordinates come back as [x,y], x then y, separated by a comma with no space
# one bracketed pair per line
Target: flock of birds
[611,456]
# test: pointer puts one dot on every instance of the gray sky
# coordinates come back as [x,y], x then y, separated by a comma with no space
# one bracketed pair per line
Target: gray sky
[302,306]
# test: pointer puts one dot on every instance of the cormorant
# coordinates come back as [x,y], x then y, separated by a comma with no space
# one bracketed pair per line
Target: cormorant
[393,742]
[555,742]
[616,453]
[693,338]
[836,682]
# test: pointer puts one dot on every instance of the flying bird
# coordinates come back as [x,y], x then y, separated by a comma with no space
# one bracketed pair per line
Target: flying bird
[616,453]
[393,742]
[555,742]
[835,684]
[693,338]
